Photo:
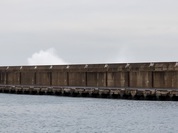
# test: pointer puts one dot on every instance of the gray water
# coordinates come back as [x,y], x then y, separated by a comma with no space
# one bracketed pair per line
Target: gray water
[51,114]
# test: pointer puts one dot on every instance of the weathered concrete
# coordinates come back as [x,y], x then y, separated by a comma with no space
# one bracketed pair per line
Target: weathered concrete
[143,75]
[126,80]
[103,92]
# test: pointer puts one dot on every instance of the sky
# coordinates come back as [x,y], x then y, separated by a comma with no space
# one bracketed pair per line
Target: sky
[38,32]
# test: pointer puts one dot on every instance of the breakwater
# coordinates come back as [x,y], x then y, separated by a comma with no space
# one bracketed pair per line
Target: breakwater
[129,80]
[117,93]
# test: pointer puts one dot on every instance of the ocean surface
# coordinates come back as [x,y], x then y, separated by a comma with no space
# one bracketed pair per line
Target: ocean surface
[54,114]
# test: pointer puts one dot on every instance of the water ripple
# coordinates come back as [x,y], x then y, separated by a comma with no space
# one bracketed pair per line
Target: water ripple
[50,114]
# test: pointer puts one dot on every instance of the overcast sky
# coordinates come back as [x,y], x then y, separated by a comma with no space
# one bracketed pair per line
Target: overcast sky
[87,31]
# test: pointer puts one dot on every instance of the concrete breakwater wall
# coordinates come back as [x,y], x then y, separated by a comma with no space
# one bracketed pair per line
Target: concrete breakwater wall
[139,75]
[143,76]
[103,92]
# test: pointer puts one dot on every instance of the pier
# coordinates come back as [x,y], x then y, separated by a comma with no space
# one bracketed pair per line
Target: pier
[141,81]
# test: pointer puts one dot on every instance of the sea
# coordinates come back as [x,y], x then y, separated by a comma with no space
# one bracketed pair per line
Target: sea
[57,114]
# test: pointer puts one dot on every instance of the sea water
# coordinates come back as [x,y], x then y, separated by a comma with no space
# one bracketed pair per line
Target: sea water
[55,114]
